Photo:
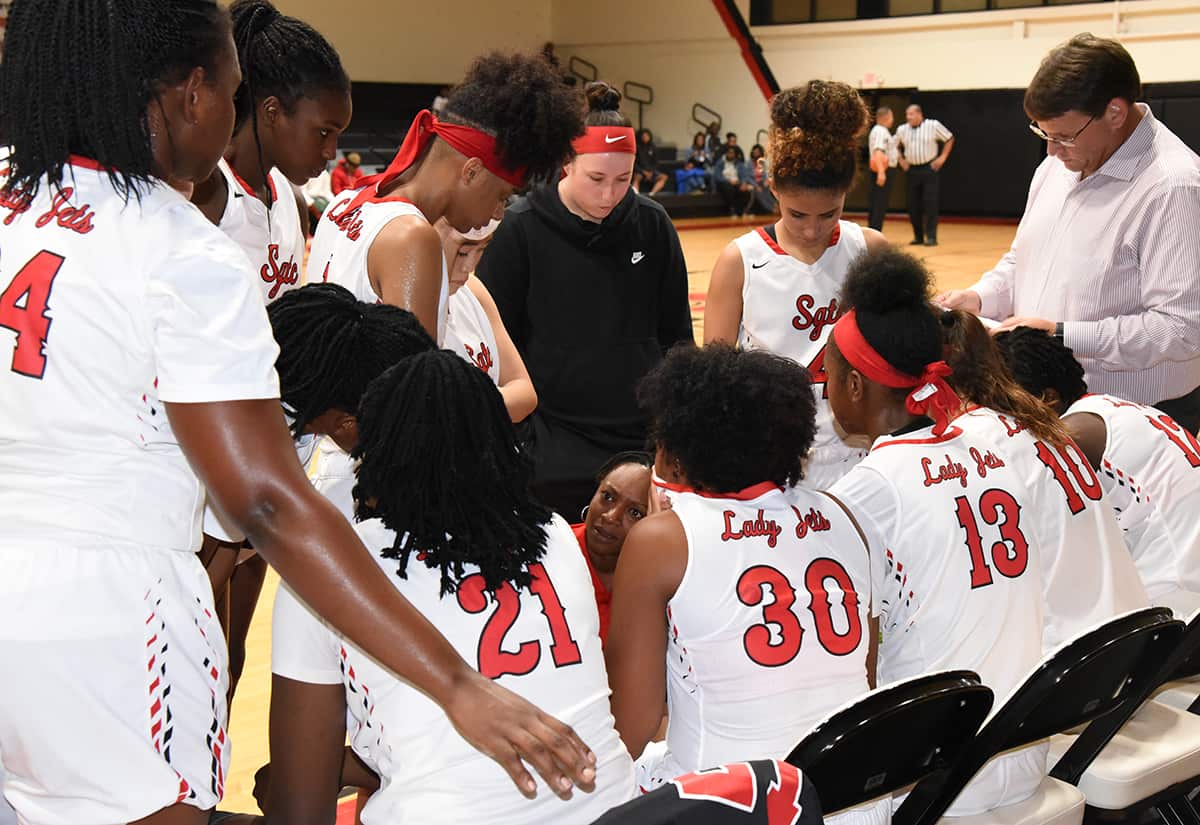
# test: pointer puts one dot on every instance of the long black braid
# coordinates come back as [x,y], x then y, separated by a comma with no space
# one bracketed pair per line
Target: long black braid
[1039,361]
[442,467]
[78,75]
[280,57]
[332,346]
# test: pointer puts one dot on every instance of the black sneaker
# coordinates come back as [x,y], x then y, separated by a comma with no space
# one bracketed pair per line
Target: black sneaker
[931,242]
[916,242]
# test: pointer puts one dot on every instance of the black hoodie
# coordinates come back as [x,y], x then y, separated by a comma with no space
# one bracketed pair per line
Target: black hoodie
[591,307]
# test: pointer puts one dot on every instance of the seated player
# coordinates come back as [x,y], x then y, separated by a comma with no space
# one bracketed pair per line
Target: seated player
[964,545]
[1148,466]
[621,500]
[493,569]
[746,603]
[474,328]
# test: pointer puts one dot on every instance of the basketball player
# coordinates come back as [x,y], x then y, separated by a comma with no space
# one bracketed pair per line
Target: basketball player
[1148,466]
[474,329]
[1089,574]
[141,370]
[963,560]
[293,103]
[776,288]
[496,571]
[754,597]
[511,119]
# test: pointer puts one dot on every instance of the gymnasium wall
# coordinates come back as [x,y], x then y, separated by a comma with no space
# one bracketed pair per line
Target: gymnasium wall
[683,51]
[408,41]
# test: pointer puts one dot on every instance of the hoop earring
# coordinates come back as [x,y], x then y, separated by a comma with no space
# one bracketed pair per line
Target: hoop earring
[583,513]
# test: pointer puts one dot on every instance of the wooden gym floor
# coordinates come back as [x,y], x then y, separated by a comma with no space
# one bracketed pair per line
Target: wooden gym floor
[966,251]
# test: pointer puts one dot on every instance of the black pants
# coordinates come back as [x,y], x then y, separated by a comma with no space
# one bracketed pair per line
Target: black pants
[923,202]
[877,198]
[736,200]
[1185,410]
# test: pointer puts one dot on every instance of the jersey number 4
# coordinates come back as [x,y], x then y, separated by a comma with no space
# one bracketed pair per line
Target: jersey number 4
[817,370]
[23,306]
[494,660]
[773,649]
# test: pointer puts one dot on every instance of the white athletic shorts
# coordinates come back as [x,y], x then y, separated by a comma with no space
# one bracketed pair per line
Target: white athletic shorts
[112,702]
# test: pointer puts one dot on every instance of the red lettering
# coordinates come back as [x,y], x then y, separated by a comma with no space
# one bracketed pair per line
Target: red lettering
[481,359]
[275,274]
[816,320]
[760,526]
[951,470]
[348,221]
[75,218]
[814,520]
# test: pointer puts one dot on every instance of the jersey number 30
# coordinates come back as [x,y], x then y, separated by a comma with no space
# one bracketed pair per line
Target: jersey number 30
[23,306]
[494,660]
[760,642]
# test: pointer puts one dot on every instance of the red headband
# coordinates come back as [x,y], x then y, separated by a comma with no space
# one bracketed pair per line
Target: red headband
[465,139]
[932,397]
[599,139]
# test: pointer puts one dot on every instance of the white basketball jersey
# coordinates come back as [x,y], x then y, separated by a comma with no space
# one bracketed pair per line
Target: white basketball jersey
[1151,476]
[272,239]
[768,628]
[956,572]
[1088,575]
[108,309]
[343,239]
[470,334]
[789,308]
[541,642]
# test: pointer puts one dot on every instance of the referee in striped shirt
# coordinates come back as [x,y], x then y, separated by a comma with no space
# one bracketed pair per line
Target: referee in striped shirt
[922,158]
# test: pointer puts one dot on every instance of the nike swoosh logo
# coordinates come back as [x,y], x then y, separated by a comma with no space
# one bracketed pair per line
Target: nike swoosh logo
[608,139]
[636,258]
[759,266]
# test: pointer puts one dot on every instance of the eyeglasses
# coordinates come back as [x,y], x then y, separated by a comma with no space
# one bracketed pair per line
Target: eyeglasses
[1065,142]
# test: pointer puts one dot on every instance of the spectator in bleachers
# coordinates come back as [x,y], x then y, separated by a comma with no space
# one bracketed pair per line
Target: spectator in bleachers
[731,143]
[693,177]
[734,182]
[760,173]
[712,140]
[645,167]
[347,173]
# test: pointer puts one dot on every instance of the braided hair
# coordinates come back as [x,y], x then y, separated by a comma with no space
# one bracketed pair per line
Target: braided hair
[331,346]
[280,57]
[732,418]
[441,465]
[523,102]
[1040,361]
[78,75]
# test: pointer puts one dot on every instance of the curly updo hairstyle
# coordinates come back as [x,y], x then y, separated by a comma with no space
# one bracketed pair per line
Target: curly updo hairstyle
[523,102]
[604,105]
[814,136]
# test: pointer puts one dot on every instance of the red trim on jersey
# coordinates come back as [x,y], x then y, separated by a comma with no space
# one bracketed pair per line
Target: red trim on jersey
[769,241]
[952,432]
[86,163]
[241,181]
[749,494]
[834,237]
[271,186]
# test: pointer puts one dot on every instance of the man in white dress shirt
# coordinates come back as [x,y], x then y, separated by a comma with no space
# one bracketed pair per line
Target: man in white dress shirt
[1107,254]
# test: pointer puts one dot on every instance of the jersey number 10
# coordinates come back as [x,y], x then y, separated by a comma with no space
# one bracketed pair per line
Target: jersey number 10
[23,305]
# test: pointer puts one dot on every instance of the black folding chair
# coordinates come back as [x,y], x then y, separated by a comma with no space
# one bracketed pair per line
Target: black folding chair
[892,737]
[1170,802]
[1081,681]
